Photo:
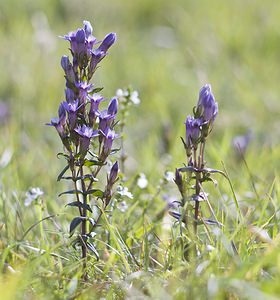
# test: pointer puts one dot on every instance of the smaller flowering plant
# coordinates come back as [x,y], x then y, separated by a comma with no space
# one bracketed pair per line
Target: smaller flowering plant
[198,128]
[87,133]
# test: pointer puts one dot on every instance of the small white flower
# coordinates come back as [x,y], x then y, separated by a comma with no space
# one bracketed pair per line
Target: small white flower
[169,176]
[121,93]
[122,206]
[32,195]
[123,191]
[134,97]
[142,181]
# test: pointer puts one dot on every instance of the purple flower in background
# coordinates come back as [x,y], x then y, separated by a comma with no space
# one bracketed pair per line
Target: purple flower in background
[193,129]
[83,87]
[86,133]
[68,68]
[206,105]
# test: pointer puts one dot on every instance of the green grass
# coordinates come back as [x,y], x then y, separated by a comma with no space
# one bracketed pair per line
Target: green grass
[166,50]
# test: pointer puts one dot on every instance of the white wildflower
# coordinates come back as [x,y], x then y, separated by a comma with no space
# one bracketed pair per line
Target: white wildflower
[123,191]
[32,195]
[169,176]
[134,98]
[142,181]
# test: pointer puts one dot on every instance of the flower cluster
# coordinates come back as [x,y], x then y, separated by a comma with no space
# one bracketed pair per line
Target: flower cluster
[86,130]
[199,126]
[77,125]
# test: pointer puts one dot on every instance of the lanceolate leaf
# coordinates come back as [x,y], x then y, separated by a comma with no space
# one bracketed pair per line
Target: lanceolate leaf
[97,193]
[62,154]
[92,162]
[188,169]
[209,170]
[91,248]
[75,222]
[85,177]
[79,204]
[62,173]
[70,192]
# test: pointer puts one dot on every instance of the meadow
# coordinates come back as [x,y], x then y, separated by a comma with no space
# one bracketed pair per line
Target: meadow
[166,50]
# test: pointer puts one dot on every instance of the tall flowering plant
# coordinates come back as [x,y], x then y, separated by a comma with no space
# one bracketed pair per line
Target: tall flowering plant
[190,178]
[87,133]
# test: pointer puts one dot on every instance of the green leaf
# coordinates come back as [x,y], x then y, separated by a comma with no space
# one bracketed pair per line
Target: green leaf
[75,222]
[92,162]
[96,90]
[79,204]
[70,192]
[92,249]
[62,173]
[188,169]
[63,154]
[209,170]
[92,154]
[95,192]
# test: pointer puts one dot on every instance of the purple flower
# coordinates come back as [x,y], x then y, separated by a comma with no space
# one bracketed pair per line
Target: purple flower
[87,28]
[110,136]
[72,109]
[206,105]
[99,53]
[105,120]
[83,87]
[69,95]
[94,99]
[86,133]
[68,68]
[113,107]
[113,173]
[77,42]
[108,41]
[193,129]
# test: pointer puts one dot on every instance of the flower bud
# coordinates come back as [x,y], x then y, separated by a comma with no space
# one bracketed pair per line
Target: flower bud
[113,107]
[68,68]
[114,173]
[206,106]
[108,41]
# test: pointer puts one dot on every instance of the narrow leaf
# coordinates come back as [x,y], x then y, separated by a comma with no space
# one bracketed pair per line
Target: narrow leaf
[92,162]
[75,222]
[62,172]
[91,248]
[79,204]
[97,193]
[188,169]
[62,154]
[70,192]
[209,170]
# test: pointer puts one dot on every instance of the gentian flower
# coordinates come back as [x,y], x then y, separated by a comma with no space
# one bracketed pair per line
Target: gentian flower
[108,41]
[113,107]
[69,95]
[193,129]
[86,133]
[114,173]
[206,105]
[68,68]
[72,110]
[83,87]
[94,99]
[110,136]
[99,53]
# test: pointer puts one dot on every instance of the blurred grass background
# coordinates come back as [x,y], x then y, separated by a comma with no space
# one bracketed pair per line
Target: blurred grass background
[167,50]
